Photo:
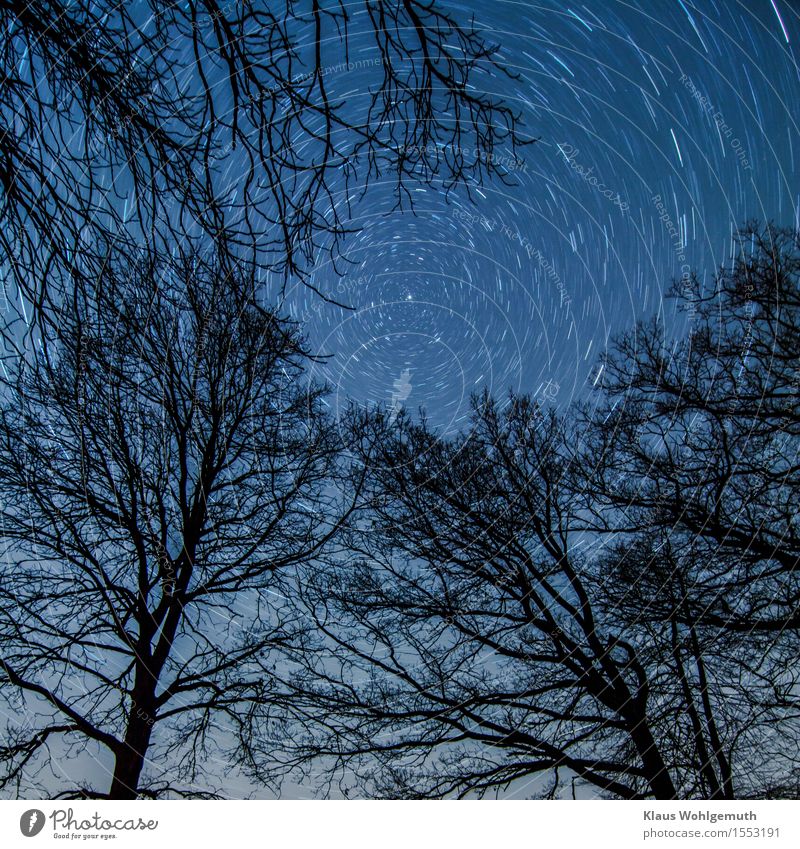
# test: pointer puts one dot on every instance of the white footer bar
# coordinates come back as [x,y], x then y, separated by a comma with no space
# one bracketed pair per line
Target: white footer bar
[401,825]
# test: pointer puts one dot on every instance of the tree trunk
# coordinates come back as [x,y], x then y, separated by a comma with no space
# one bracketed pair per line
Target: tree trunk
[653,765]
[130,759]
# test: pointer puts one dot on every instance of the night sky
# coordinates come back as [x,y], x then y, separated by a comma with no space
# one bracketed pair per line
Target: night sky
[663,126]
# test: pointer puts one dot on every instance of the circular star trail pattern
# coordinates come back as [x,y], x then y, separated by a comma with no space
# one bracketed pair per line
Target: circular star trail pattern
[660,127]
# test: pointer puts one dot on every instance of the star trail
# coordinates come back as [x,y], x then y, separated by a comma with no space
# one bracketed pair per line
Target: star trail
[660,129]
[399,399]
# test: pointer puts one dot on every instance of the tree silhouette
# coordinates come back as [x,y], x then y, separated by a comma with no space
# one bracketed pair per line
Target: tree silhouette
[471,653]
[607,596]
[161,122]
[162,461]
[162,467]
[691,470]
[701,444]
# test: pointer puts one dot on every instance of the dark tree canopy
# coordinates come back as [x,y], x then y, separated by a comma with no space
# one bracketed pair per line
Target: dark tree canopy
[162,467]
[476,656]
[700,444]
[605,597]
[162,122]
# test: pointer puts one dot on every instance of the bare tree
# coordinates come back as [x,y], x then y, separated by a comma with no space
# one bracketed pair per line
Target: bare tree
[699,441]
[162,122]
[162,468]
[610,595]
[691,470]
[470,652]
